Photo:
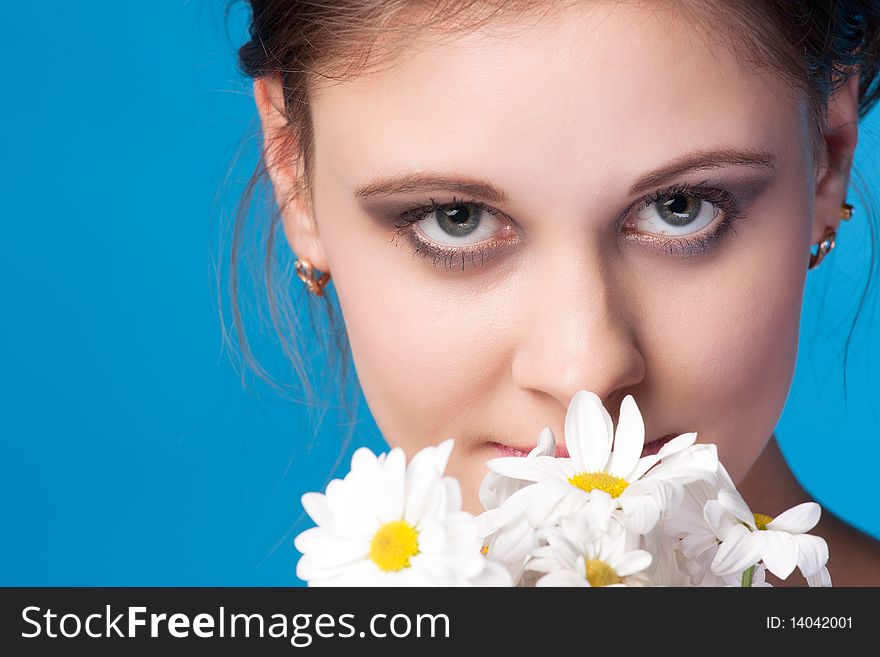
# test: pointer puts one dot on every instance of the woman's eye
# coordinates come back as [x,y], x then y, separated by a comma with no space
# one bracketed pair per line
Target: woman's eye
[459,224]
[457,233]
[676,214]
[673,221]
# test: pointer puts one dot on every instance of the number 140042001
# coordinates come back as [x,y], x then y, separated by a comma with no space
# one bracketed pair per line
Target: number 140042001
[809,622]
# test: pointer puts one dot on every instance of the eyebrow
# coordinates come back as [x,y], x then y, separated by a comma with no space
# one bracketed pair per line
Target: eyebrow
[699,161]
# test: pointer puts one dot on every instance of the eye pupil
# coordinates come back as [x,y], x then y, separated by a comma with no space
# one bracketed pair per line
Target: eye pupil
[457,215]
[680,209]
[678,204]
[459,220]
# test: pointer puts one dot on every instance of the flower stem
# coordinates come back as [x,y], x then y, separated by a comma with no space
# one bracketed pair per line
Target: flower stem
[747,576]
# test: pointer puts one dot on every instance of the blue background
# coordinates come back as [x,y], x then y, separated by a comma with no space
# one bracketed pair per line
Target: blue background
[131,452]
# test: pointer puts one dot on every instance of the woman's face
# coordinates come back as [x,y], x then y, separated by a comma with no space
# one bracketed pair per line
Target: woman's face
[570,275]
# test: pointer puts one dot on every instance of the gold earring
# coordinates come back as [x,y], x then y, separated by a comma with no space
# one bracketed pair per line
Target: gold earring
[825,247]
[828,239]
[306,274]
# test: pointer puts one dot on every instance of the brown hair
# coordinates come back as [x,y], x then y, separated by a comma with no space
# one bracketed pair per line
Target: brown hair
[814,46]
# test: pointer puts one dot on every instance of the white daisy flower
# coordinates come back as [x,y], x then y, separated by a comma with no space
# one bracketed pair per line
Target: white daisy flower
[666,568]
[496,488]
[512,545]
[392,524]
[671,567]
[696,541]
[589,548]
[782,543]
[643,487]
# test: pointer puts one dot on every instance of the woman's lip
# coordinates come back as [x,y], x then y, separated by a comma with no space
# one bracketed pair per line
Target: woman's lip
[507,450]
[650,448]
[654,446]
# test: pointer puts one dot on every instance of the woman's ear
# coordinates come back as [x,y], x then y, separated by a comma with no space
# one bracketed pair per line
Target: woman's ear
[279,147]
[840,138]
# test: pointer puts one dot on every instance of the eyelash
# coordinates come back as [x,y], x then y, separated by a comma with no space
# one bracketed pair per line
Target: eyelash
[684,246]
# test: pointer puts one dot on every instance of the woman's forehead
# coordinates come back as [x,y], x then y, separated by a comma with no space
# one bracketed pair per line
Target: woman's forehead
[626,83]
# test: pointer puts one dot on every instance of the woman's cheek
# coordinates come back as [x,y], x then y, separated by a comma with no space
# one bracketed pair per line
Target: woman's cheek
[743,349]
[414,353]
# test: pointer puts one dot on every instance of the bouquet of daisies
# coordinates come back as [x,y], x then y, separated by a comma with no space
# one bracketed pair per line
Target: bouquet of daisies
[603,516]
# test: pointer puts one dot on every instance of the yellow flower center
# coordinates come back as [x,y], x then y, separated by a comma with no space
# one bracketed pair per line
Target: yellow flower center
[761,520]
[600,573]
[587,481]
[485,549]
[393,545]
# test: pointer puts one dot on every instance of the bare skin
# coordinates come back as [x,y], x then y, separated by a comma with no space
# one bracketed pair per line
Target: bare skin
[580,280]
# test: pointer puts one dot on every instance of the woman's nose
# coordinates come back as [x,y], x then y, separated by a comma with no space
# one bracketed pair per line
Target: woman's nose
[578,333]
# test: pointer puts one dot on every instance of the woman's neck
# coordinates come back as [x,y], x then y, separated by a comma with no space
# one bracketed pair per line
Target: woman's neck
[770,487]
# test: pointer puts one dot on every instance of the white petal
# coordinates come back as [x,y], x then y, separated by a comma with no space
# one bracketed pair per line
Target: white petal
[493,574]
[451,566]
[462,528]
[353,508]
[442,453]
[694,545]
[640,512]
[564,551]
[514,507]
[513,543]
[632,562]
[364,458]
[337,553]
[487,522]
[495,489]
[432,537]
[318,509]
[598,512]
[812,553]
[316,540]
[539,468]
[425,498]
[430,461]
[719,519]
[310,539]
[697,462]
[667,493]
[366,472]
[779,552]
[821,578]
[588,432]
[723,478]
[797,520]
[642,466]
[678,443]
[430,565]
[543,503]
[489,492]
[629,439]
[542,564]
[684,524]
[453,494]
[358,573]
[561,578]
[738,551]
[314,576]
[423,464]
[391,488]
[546,444]
[733,502]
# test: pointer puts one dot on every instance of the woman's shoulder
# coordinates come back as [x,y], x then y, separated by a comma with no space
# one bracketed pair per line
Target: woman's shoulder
[771,487]
[854,556]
